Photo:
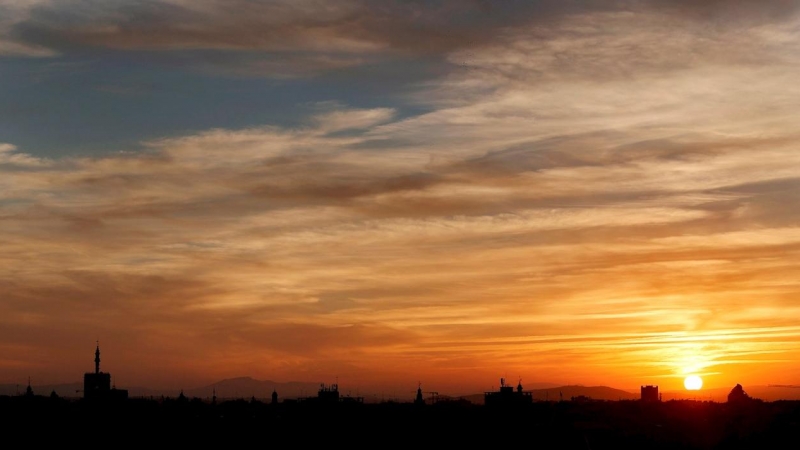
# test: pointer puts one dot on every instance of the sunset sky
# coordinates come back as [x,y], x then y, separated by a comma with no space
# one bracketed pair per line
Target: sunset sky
[386,193]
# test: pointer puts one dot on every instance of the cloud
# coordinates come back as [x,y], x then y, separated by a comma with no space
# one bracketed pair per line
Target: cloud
[284,39]
[309,25]
[347,120]
[10,157]
[610,180]
[13,13]
[9,48]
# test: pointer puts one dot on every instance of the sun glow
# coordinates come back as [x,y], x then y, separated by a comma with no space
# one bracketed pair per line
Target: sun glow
[693,383]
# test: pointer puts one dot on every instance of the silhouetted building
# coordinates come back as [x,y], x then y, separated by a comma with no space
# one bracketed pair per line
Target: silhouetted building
[419,400]
[650,393]
[738,395]
[507,396]
[97,385]
[274,397]
[329,394]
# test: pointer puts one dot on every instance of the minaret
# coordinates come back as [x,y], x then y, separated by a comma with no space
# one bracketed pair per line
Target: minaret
[419,400]
[29,390]
[274,397]
[97,358]
[97,384]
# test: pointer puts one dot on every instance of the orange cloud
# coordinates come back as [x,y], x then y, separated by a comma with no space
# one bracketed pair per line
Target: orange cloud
[575,208]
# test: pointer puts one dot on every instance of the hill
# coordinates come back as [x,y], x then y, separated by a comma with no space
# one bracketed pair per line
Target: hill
[246,387]
[568,392]
[592,392]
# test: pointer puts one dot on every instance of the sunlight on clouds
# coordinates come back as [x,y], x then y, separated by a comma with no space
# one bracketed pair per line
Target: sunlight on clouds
[607,193]
[749,238]
[11,157]
[357,119]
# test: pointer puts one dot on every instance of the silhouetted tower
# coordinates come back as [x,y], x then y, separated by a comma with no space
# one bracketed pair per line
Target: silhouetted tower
[274,397]
[214,396]
[29,389]
[97,358]
[650,393]
[97,385]
[519,386]
[419,400]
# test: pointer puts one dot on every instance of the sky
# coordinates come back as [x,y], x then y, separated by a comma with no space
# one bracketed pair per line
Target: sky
[382,194]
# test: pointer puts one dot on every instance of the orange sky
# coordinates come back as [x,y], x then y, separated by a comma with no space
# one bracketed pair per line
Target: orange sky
[610,198]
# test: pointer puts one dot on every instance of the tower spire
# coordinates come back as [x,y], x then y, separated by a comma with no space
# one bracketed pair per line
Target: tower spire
[29,390]
[97,358]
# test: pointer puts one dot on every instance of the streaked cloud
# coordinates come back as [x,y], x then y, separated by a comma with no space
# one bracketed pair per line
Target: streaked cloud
[603,198]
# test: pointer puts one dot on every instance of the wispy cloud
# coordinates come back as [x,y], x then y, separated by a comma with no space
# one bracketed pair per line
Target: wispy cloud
[605,196]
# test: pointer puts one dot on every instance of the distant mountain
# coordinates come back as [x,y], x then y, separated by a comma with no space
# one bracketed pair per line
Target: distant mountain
[529,386]
[592,392]
[62,390]
[568,392]
[247,387]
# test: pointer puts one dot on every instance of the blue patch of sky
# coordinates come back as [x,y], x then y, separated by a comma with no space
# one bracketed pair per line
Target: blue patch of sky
[102,101]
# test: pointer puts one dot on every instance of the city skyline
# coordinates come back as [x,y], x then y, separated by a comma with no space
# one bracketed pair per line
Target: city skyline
[99,385]
[576,193]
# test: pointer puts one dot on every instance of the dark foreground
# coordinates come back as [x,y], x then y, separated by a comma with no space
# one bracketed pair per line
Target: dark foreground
[564,425]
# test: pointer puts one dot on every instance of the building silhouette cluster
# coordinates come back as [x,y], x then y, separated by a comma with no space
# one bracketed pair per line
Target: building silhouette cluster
[650,393]
[506,414]
[97,385]
[328,395]
[508,396]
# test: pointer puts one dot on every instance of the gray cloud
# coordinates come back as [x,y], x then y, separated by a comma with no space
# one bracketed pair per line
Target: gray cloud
[307,37]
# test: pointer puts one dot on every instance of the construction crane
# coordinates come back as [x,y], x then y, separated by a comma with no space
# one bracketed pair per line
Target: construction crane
[434,396]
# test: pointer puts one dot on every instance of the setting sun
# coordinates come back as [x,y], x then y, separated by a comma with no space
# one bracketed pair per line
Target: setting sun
[693,382]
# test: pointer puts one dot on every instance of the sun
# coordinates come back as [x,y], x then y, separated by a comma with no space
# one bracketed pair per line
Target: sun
[693,383]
